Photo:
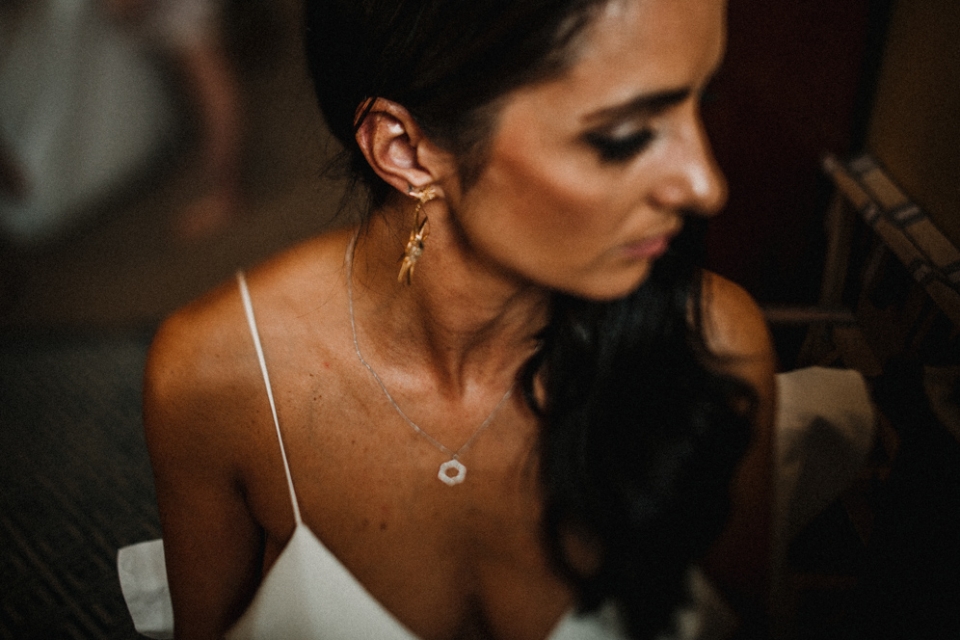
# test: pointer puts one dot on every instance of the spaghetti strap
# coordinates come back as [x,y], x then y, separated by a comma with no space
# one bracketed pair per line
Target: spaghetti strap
[254,332]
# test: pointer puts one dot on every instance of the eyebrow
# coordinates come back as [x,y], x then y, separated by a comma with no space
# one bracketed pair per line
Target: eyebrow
[646,104]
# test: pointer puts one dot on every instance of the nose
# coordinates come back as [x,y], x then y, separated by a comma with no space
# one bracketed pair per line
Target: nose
[692,182]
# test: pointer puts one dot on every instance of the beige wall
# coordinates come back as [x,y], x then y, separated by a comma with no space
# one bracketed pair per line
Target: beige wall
[915,129]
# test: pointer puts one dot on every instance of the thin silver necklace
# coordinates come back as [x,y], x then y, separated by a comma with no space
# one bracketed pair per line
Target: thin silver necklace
[451,472]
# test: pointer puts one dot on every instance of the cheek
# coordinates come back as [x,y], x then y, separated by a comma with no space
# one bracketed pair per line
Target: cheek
[556,219]
[555,197]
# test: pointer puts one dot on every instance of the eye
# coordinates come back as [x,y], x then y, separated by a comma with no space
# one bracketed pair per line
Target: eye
[619,148]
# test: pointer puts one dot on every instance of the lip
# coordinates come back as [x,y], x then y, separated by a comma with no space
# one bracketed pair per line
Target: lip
[648,248]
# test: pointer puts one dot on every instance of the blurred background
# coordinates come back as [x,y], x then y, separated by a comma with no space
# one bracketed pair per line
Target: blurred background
[149,148]
[220,167]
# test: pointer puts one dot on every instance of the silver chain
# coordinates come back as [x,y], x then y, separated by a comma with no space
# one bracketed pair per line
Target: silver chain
[454,455]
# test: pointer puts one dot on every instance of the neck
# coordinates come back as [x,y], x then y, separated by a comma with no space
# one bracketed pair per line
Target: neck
[465,321]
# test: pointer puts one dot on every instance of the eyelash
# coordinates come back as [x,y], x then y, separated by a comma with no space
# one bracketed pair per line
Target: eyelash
[619,149]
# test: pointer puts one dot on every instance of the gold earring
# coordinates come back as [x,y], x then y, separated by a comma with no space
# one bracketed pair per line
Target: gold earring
[420,232]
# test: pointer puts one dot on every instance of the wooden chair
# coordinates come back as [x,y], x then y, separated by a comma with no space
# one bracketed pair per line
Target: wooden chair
[890,308]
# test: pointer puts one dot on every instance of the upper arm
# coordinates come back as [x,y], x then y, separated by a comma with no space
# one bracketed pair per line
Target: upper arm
[736,331]
[211,542]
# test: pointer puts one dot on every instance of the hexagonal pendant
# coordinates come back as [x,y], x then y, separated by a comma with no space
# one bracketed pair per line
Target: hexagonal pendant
[459,475]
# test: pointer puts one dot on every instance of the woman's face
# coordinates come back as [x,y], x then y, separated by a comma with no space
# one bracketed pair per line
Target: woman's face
[590,175]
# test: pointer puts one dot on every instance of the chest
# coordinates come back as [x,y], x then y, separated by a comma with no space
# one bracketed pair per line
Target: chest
[448,561]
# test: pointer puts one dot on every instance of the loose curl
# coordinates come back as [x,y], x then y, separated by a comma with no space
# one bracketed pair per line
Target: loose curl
[640,432]
[640,438]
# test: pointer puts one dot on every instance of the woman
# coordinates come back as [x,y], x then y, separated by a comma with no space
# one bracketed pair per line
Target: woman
[537,407]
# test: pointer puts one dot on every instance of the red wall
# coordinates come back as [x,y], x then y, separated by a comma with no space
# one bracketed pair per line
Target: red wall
[787,93]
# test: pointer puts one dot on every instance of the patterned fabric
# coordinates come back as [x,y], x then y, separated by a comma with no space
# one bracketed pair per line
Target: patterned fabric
[905,228]
[75,482]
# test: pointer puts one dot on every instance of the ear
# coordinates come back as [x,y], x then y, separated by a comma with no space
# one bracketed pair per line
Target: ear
[397,149]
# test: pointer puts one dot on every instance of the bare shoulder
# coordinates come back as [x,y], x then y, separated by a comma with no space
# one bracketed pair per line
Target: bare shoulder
[197,410]
[733,323]
[201,361]
[190,346]
[208,428]
[736,331]
[203,356]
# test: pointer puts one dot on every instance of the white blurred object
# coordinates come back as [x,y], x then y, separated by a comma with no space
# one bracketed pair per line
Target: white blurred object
[143,580]
[180,24]
[83,109]
[825,429]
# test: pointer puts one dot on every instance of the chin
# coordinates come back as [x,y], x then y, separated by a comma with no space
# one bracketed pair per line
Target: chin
[611,287]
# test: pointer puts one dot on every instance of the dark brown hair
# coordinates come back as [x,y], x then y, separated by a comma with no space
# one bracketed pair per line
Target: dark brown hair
[445,62]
